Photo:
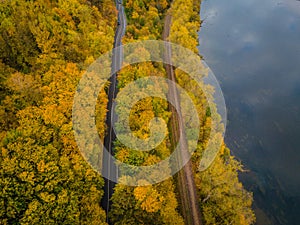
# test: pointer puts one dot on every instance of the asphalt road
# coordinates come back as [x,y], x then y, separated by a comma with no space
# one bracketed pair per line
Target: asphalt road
[109,166]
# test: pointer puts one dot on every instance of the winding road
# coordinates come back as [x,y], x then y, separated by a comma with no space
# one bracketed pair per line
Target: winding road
[108,165]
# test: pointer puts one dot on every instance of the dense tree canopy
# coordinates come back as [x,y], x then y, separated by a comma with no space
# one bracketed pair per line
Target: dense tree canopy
[45,47]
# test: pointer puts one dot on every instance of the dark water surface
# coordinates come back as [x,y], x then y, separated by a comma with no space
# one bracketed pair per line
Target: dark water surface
[253,47]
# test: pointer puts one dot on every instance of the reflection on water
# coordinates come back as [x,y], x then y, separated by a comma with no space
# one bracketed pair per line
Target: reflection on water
[253,47]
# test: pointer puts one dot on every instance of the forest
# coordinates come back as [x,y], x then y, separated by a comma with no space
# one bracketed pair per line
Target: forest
[45,48]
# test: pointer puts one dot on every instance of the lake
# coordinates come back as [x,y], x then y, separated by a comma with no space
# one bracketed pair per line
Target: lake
[253,48]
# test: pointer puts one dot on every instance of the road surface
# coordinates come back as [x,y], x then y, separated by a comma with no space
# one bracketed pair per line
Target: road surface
[109,166]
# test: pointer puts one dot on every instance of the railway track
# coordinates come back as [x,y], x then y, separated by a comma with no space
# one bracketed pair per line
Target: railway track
[185,179]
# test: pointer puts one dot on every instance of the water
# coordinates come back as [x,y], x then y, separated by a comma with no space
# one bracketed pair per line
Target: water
[253,47]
